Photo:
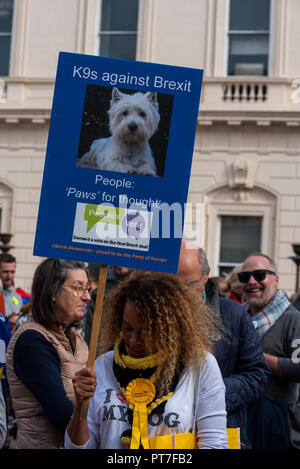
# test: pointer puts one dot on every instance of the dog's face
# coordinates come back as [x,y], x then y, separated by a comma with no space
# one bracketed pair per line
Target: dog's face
[133,118]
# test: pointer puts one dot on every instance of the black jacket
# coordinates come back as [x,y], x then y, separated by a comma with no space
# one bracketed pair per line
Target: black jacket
[240,359]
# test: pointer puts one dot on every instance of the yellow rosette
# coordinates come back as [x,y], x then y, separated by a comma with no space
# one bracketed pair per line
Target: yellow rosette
[139,393]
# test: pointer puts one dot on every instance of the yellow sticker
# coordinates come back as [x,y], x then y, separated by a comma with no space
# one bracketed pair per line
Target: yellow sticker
[15,301]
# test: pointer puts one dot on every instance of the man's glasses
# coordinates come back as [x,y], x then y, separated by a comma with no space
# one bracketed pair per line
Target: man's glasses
[259,275]
[80,289]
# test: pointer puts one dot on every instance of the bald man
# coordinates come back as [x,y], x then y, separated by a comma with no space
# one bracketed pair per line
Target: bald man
[239,353]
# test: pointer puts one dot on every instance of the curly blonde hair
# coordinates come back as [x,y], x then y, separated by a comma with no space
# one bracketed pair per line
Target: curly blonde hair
[177,324]
[231,284]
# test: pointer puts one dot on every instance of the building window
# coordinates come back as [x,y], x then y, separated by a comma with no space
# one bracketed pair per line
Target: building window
[248,37]
[118,30]
[6,15]
[239,235]
[6,197]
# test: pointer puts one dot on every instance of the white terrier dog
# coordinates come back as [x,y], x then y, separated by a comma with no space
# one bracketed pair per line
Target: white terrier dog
[133,119]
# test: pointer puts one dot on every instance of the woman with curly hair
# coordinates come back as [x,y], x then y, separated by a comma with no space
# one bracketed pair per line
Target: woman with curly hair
[160,387]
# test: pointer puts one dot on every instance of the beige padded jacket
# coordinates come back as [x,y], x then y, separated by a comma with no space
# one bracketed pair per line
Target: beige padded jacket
[34,429]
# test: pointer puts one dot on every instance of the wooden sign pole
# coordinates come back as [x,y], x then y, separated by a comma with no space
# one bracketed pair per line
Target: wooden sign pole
[95,331]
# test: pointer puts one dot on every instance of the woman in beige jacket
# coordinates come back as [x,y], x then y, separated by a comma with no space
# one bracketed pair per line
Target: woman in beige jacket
[46,351]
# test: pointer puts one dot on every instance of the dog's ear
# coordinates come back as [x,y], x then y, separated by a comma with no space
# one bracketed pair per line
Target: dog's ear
[116,95]
[152,97]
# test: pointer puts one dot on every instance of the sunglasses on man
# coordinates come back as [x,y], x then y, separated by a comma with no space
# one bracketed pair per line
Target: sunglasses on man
[259,275]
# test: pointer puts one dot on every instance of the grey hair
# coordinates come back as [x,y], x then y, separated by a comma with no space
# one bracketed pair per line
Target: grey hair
[203,261]
[260,254]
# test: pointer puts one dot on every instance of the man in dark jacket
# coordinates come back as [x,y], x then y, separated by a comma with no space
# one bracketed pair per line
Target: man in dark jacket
[239,353]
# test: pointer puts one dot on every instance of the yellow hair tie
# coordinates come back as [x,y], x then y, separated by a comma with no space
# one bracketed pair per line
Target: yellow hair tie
[139,393]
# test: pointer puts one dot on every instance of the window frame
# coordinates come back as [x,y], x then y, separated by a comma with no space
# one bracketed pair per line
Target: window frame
[225,201]
[221,264]
[245,32]
[100,33]
[6,207]
[10,35]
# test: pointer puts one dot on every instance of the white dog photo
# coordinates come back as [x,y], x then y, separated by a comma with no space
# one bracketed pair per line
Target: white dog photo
[133,119]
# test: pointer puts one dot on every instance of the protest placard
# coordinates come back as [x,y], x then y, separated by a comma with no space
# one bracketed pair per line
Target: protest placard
[118,162]
[117,166]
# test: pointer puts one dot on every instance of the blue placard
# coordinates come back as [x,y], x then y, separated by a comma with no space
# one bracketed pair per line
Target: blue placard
[118,162]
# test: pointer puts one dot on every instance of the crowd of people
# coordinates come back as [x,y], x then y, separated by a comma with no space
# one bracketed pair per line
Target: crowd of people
[183,359]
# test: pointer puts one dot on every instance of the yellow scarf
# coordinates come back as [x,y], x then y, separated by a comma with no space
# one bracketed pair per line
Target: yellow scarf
[139,392]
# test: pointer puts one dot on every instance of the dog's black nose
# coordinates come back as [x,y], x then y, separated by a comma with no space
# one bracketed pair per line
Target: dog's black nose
[132,127]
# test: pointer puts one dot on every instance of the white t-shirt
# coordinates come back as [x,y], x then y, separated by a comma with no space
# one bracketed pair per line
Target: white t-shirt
[108,419]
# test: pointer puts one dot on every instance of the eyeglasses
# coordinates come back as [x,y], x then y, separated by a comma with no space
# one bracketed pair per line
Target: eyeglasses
[80,289]
[259,275]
